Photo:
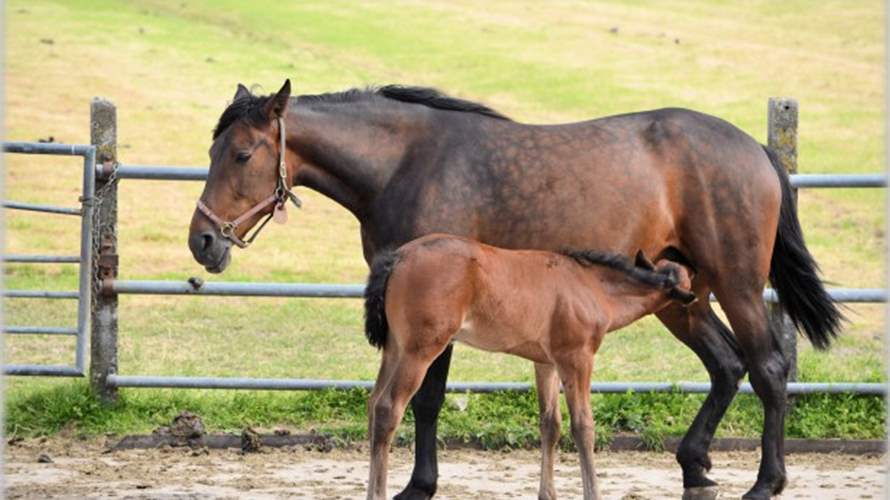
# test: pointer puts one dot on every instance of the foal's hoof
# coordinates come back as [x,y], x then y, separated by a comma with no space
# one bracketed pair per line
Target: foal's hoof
[701,493]
[413,493]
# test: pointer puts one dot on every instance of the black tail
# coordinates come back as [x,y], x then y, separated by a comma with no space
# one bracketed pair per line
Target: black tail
[376,325]
[795,274]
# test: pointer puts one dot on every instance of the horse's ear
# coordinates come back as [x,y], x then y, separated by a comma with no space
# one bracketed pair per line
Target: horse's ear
[277,105]
[242,92]
[642,261]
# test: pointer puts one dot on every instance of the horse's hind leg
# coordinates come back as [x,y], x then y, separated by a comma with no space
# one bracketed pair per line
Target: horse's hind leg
[768,373]
[703,332]
[399,378]
[547,382]
[426,405]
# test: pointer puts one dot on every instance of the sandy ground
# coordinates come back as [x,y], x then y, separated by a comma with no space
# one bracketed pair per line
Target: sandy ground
[84,469]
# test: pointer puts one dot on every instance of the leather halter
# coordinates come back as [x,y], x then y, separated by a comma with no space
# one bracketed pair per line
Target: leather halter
[278,198]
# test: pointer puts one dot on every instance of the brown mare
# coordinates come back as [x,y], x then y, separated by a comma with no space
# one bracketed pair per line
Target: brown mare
[551,308]
[673,183]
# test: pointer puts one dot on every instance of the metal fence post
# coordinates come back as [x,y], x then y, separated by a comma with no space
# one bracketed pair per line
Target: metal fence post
[103,341]
[782,138]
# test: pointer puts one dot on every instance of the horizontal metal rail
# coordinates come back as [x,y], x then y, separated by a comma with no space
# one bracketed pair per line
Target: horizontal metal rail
[235,288]
[861,295]
[43,330]
[43,370]
[49,209]
[838,180]
[177,173]
[247,289]
[42,259]
[47,148]
[39,294]
[157,172]
[474,387]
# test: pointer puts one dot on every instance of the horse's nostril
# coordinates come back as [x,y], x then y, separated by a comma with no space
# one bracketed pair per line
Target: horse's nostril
[206,241]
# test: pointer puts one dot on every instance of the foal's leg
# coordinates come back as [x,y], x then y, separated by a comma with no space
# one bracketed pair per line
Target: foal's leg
[399,378]
[768,374]
[426,405]
[547,382]
[703,332]
[575,375]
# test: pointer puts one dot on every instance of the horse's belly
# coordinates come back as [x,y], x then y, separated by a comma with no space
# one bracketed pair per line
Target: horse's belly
[514,342]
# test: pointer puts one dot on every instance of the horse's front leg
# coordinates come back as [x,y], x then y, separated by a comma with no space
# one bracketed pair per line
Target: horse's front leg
[575,374]
[426,405]
[550,417]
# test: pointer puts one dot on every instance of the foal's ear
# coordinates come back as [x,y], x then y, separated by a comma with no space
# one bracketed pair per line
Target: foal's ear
[241,92]
[277,105]
[642,261]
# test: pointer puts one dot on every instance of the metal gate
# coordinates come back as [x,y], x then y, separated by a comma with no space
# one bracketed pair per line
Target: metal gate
[84,293]
[103,372]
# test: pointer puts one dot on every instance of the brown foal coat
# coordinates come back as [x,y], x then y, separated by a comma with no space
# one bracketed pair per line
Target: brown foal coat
[553,309]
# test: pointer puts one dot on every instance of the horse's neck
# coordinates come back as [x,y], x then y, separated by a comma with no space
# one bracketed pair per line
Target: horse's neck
[629,300]
[351,149]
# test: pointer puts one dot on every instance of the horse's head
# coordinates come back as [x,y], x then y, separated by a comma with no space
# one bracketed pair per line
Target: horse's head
[250,176]
[679,278]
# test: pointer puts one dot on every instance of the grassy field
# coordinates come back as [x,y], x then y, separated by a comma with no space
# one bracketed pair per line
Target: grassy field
[171,67]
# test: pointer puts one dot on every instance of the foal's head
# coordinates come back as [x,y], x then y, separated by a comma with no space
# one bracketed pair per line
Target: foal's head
[244,174]
[678,278]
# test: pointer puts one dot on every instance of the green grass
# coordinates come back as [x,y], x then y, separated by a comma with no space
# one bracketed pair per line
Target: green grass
[171,66]
[493,421]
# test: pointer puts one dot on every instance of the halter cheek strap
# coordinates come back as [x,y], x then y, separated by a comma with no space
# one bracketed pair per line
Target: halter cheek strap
[278,199]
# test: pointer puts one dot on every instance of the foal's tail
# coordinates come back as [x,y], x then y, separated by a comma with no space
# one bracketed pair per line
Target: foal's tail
[376,325]
[795,274]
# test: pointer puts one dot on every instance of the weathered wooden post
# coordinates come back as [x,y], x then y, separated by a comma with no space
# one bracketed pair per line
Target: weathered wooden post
[103,340]
[782,138]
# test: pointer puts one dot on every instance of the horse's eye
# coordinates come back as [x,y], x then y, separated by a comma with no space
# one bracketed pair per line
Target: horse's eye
[243,157]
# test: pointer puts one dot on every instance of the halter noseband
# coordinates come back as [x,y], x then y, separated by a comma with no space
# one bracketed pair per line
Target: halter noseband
[278,198]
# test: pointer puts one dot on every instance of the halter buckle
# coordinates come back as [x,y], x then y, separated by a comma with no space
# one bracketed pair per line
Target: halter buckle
[227,230]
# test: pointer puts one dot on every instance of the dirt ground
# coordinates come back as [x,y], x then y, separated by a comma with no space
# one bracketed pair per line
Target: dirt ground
[84,469]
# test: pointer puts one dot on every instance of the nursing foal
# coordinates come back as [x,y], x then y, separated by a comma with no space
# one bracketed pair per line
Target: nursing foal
[551,308]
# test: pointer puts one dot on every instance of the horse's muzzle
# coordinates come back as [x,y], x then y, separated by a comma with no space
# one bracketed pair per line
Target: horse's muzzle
[210,250]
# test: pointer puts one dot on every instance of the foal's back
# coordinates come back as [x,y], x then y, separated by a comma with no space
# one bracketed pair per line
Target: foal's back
[491,298]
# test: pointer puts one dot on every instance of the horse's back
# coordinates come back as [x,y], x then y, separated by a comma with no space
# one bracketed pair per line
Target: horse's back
[643,180]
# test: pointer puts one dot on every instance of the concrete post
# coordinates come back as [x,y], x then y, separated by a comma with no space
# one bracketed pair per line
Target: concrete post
[782,138]
[103,340]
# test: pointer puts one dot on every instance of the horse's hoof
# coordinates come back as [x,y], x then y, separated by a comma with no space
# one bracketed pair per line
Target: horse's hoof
[412,493]
[757,494]
[700,493]
[766,491]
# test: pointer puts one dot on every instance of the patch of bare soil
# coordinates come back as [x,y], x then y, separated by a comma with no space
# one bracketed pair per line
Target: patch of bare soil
[86,469]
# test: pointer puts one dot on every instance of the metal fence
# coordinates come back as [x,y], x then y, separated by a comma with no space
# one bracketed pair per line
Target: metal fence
[107,171]
[83,295]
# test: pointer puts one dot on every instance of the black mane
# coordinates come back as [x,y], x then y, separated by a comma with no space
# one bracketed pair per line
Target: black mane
[435,99]
[620,263]
[249,107]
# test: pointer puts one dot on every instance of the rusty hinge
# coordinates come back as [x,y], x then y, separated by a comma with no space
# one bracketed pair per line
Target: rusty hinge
[107,262]
[106,168]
